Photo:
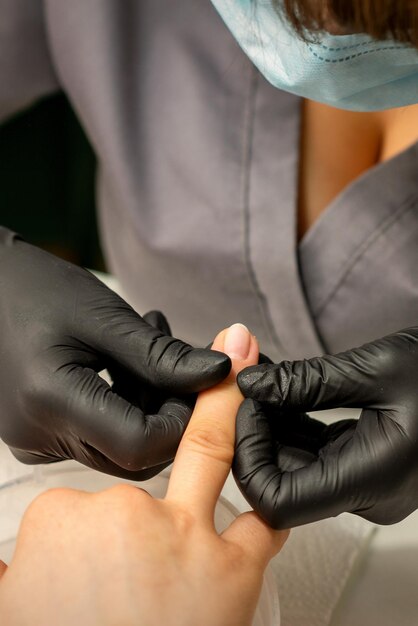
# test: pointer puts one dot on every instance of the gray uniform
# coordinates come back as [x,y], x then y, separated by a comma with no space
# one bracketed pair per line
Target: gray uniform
[197,184]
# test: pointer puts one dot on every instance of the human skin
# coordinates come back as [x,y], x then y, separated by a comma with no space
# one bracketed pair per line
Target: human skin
[121,557]
[338,146]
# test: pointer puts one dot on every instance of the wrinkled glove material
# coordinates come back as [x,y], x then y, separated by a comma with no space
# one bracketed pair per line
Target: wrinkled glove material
[60,327]
[294,469]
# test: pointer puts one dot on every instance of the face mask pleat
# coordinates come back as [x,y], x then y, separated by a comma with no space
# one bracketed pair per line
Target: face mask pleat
[352,72]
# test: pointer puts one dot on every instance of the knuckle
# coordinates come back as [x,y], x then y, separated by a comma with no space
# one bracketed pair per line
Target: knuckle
[126,496]
[121,504]
[52,495]
[46,501]
[213,442]
[184,521]
[124,491]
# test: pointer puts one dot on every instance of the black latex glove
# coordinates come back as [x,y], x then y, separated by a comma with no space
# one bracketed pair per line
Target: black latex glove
[125,384]
[60,326]
[293,469]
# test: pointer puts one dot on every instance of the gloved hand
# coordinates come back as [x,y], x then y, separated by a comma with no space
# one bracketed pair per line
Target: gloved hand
[293,469]
[60,326]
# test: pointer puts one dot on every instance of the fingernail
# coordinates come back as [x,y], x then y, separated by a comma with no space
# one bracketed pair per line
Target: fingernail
[237,342]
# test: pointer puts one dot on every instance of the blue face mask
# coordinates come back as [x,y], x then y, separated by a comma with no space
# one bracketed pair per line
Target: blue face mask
[346,71]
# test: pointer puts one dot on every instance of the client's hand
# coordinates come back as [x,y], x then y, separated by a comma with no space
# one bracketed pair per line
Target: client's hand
[122,557]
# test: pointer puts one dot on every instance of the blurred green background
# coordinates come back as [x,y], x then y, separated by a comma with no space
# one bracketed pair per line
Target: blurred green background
[47,180]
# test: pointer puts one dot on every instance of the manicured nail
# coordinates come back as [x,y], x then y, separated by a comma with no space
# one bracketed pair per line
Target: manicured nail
[237,342]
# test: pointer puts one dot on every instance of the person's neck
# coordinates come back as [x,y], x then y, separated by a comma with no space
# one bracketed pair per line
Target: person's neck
[339,146]
[399,130]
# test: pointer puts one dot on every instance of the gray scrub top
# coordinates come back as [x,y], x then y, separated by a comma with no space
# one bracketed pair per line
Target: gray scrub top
[197,184]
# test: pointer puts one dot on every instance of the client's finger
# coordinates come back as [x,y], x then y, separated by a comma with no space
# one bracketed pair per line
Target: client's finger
[3,568]
[205,453]
[256,537]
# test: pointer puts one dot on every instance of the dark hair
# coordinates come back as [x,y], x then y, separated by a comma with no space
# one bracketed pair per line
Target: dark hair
[382,19]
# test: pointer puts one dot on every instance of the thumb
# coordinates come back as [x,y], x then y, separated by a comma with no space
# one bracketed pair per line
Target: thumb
[3,568]
[344,380]
[118,333]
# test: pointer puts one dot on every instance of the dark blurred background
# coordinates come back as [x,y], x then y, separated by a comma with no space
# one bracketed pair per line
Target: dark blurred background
[47,182]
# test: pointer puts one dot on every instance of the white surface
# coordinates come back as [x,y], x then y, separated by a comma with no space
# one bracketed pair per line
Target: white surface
[384,592]
[383,588]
